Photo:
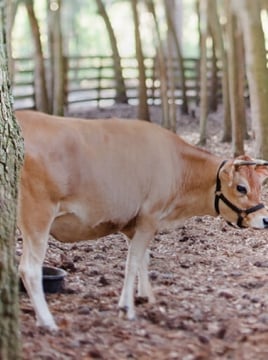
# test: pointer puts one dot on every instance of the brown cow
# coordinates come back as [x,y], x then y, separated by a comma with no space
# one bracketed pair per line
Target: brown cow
[83,179]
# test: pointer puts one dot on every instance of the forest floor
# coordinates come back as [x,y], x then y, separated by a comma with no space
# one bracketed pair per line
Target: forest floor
[210,281]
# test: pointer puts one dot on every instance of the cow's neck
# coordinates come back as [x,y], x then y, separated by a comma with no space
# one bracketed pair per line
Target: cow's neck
[199,183]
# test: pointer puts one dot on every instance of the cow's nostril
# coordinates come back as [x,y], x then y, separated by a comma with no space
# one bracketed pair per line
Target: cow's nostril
[265,222]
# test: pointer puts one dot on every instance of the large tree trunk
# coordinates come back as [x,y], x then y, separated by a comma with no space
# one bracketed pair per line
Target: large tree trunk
[41,97]
[121,94]
[11,156]
[248,12]
[143,110]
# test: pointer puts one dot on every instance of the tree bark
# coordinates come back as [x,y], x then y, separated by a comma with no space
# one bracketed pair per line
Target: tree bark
[11,150]
[121,94]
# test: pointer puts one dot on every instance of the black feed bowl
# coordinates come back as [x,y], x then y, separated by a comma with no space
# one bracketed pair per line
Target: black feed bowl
[53,280]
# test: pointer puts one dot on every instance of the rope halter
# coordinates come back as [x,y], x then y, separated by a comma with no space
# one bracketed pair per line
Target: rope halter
[241,213]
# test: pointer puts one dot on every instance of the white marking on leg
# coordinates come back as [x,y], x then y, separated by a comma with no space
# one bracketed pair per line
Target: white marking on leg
[136,254]
[32,279]
[34,249]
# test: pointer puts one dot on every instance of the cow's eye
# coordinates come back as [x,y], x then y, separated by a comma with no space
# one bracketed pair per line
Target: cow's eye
[242,189]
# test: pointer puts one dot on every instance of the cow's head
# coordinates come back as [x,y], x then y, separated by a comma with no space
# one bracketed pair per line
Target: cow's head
[238,192]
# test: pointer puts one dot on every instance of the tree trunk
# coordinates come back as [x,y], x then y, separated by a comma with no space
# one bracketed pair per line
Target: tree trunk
[171,82]
[236,84]
[143,110]
[248,13]
[11,150]
[222,55]
[41,97]
[172,30]
[162,67]
[57,61]
[213,97]
[121,94]
[203,72]
[240,50]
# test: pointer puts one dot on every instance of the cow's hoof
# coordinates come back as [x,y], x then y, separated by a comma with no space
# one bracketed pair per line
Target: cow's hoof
[125,313]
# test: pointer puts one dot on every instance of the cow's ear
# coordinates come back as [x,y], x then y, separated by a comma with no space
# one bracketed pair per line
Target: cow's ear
[227,173]
[262,171]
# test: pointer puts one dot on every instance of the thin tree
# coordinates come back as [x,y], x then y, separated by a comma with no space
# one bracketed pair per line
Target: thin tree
[203,8]
[218,35]
[162,66]
[178,52]
[143,109]
[236,83]
[121,94]
[57,60]
[41,96]
[171,76]
[213,71]
[11,150]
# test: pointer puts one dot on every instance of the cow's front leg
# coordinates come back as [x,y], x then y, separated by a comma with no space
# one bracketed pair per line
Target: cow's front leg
[135,260]
[35,232]
[30,270]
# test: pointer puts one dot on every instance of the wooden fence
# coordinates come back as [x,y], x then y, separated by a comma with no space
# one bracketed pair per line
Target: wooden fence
[90,79]
[23,83]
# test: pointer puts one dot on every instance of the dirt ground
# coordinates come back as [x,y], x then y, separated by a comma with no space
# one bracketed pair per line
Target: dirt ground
[210,281]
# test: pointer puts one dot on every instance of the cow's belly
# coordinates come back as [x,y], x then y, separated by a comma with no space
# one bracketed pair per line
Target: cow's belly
[71,228]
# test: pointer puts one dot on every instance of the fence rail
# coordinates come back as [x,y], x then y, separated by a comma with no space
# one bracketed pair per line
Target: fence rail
[90,79]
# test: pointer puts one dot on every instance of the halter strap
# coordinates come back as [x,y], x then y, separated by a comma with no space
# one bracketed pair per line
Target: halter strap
[242,213]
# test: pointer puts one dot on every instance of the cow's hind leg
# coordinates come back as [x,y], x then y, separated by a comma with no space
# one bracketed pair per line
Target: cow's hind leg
[137,261]
[35,232]
[144,285]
